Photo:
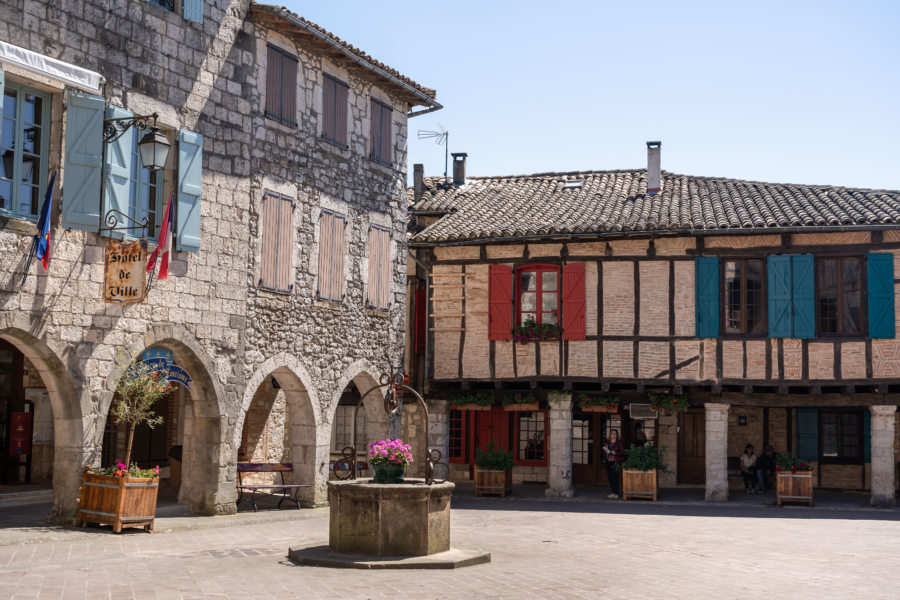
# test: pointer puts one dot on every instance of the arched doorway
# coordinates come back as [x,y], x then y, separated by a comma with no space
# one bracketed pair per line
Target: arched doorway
[371,420]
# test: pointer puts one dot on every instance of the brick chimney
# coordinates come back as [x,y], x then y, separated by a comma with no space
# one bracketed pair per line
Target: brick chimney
[653,174]
[418,181]
[459,168]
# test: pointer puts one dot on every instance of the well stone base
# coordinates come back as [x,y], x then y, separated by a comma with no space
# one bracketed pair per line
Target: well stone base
[396,520]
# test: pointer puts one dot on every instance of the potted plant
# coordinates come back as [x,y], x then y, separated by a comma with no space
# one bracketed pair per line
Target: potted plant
[493,470]
[640,470]
[390,459]
[473,401]
[530,331]
[667,402]
[125,495]
[595,403]
[793,480]
[520,402]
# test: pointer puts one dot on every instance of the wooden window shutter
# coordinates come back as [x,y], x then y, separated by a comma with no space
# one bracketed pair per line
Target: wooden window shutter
[340,113]
[273,82]
[706,286]
[84,161]
[421,321]
[337,256]
[326,231]
[328,85]
[190,191]
[117,173]
[500,296]
[803,293]
[384,275]
[808,433]
[374,127]
[778,289]
[573,301]
[193,10]
[284,251]
[386,139]
[880,276]
[289,89]
[269,232]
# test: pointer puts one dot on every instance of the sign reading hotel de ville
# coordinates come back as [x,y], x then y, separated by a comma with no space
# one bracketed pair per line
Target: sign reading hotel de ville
[125,272]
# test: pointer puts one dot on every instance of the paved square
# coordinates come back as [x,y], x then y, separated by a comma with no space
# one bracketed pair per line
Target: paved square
[540,550]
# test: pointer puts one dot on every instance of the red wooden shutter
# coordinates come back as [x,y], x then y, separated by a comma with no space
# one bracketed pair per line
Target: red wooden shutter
[284,250]
[328,85]
[573,301]
[501,303]
[340,113]
[421,321]
[269,235]
[326,231]
[273,82]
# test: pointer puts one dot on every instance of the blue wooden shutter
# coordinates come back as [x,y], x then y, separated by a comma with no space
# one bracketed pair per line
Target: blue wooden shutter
[867,436]
[881,295]
[2,86]
[190,190]
[804,296]
[808,433]
[778,283]
[706,288]
[193,10]
[117,173]
[84,161]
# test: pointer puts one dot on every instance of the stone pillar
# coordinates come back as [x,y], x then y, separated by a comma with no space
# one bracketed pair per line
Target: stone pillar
[439,428]
[717,452]
[559,472]
[883,461]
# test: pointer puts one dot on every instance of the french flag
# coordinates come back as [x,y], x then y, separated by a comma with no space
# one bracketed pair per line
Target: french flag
[42,241]
[163,245]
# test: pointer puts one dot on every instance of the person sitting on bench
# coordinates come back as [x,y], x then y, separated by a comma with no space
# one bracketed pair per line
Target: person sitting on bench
[748,468]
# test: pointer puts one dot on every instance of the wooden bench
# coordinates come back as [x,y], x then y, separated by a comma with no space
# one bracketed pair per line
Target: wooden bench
[287,491]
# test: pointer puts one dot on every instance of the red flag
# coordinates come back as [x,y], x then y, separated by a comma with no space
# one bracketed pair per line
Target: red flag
[163,245]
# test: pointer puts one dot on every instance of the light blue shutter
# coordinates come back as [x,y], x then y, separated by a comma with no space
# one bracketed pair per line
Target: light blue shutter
[867,436]
[808,433]
[706,287]
[117,174]
[190,190]
[778,283]
[804,296]
[881,295]
[84,161]
[193,10]
[2,86]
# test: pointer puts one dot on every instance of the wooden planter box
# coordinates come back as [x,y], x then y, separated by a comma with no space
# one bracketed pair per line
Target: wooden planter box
[117,501]
[794,487]
[524,406]
[493,482]
[599,408]
[470,407]
[639,484]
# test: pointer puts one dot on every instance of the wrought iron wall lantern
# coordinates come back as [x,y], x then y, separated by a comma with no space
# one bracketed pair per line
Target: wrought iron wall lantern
[153,147]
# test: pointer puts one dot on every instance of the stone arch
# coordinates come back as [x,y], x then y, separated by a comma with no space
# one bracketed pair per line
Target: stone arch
[365,376]
[71,447]
[309,448]
[204,484]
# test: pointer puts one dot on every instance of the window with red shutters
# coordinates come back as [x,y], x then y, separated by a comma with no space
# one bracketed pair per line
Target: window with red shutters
[537,294]
[573,301]
[500,295]
[334,110]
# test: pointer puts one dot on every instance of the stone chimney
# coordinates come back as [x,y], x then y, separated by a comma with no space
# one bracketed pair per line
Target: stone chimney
[418,181]
[459,168]
[653,174]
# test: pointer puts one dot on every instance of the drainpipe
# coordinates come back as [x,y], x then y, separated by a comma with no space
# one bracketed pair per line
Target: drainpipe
[427,304]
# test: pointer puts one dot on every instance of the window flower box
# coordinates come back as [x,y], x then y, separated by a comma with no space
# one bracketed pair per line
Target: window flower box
[473,401]
[667,403]
[601,404]
[534,332]
[520,402]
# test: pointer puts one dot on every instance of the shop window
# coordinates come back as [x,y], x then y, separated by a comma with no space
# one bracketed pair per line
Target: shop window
[530,436]
[24,148]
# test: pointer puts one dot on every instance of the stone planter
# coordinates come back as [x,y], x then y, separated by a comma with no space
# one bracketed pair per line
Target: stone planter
[389,473]
[639,484]
[470,407]
[523,406]
[492,482]
[794,487]
[117,501]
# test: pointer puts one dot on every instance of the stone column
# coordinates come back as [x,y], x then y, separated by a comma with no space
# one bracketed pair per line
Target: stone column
[716,452]
[439,432]
[559,472]
[883,461]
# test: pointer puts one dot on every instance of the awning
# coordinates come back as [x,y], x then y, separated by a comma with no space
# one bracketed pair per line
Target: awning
[79,77]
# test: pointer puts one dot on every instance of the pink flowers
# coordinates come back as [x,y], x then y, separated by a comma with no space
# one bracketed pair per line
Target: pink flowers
[390,452]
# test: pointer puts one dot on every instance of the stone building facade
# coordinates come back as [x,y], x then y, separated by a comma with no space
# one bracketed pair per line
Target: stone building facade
[724,293]
[245,310]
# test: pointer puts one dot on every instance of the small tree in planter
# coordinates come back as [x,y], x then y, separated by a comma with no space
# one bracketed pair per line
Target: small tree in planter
[493,470]
[639,471]
[138,391]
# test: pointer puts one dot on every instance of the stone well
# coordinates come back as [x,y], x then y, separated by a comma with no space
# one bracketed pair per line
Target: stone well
[398,519]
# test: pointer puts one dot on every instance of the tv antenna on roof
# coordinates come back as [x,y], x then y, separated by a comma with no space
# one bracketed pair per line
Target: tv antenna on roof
[441,137]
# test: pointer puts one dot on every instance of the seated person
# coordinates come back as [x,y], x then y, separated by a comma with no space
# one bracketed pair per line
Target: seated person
[748,468]
[765,467]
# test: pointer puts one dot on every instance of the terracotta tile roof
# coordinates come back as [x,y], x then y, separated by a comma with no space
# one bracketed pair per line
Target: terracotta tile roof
[616,201]
[280,11]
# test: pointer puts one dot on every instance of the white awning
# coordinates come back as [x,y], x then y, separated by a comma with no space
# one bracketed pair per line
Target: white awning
[79,77]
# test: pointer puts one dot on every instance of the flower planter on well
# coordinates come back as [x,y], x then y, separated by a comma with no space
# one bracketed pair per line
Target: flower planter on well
[117,501]
[526,406]
[794,487]
[492,482]
[639,484]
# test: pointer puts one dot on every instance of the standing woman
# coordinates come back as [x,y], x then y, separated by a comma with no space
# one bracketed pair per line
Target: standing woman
[615,452]
[748,467]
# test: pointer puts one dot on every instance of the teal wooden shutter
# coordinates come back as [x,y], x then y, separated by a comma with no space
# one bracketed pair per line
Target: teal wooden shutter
[2,86]
[778,284]
[867,436]
[881,295]
[117,173]
[706,288]
[84,161]
[808,433]
[804,296]
[190,190]
[193,10]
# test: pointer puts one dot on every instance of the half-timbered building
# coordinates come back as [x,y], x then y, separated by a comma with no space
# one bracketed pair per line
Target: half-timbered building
[769,307]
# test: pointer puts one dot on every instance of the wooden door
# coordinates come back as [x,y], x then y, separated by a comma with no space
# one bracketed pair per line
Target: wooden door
[588,431]
[692,447]
[487,426]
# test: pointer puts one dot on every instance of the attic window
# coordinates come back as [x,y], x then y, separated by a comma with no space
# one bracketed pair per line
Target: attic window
[573,184]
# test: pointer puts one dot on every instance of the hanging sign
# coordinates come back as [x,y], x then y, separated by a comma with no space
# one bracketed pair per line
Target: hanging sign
[161,360]
[125,272]
[20,438]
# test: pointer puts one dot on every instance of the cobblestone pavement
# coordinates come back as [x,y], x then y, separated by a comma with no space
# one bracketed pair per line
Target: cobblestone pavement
[539,550]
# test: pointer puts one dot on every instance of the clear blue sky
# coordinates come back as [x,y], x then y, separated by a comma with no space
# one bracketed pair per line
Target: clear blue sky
[796,92]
